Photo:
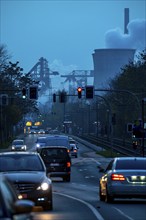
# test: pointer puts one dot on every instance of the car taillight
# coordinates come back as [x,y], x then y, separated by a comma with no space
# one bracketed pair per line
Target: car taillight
[68,164]
[68,151]
[75,150]
[117,177]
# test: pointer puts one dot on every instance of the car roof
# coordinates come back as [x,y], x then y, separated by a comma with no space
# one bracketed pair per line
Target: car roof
[129,158]
[22,152]
[57,136]
[18,140]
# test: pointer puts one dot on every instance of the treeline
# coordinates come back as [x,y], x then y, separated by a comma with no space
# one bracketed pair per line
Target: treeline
[12,111]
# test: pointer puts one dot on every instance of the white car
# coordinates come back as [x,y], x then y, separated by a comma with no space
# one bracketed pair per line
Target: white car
[124,177]
[18,145]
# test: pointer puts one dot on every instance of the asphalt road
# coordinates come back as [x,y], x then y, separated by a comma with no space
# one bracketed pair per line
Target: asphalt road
[79,199]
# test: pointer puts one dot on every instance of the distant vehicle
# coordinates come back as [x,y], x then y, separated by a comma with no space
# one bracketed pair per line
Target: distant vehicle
[33,131]
[27,171]
[57,161]
[18,145]
[10,206]
[40,142]
[73,150]
[124,177]
[72,141]
[41,131]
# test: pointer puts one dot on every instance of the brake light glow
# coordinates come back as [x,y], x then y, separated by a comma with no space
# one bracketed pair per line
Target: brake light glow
[117,177]
[68,164]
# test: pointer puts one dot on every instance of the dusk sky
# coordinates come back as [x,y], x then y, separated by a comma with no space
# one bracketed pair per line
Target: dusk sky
[66,33]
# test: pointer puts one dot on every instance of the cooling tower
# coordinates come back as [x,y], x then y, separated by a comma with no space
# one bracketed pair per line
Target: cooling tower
[108,63]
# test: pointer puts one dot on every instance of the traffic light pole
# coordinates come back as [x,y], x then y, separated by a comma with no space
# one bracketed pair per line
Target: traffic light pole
[143,133]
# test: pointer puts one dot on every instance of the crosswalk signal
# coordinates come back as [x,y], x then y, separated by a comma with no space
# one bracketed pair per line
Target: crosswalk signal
[89,92]
[79,92]
[33,92]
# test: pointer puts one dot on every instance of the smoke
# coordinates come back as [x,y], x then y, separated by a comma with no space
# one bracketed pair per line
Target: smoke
[135,39]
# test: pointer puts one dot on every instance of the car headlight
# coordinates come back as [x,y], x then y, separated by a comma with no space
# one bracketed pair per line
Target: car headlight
[37,145]
[44,186]
[13,147]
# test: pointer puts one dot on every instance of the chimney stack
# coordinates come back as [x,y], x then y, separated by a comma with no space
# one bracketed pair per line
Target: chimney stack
[126,20]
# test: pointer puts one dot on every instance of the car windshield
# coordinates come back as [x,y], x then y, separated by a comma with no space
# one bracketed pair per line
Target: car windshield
[131,165]
[18,142]
[20,163]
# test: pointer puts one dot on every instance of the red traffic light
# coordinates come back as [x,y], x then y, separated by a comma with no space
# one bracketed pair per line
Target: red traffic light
[79,89]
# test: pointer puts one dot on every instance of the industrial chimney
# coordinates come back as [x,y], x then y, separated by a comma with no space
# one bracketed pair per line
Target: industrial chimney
[126,20]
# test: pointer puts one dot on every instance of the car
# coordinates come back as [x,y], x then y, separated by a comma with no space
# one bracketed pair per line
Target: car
[10,206]
[27,172]
[41,131]
[32,131]
[73,150]
[72,141]
[18,145]
[124,177]
[40,142]
[57,161]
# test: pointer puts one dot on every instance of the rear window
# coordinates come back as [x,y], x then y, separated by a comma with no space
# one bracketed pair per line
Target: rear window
[54,153]
[131,165]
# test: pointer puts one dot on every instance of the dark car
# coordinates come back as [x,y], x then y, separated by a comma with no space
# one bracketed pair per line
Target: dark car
[57,161]
[124,177]
[10,206]
[27,172]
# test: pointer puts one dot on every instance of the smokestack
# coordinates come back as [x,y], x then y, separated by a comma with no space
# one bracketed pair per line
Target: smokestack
[126,20]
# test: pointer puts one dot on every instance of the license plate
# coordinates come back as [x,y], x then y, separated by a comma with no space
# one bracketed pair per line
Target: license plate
[54,164]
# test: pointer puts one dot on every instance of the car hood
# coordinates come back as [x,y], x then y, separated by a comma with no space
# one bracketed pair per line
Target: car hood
[25,176]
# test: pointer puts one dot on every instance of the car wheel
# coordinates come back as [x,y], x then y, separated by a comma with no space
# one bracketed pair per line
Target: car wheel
[108,198]
[101,197]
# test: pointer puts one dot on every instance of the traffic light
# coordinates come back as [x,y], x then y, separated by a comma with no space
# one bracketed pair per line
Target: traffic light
[89,92]
[62,97]
[24,93]
[79,92]
[33,92]
[54,97]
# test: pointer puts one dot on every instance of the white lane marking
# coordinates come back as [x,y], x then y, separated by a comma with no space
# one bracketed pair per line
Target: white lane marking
[122,213]
[96,213]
